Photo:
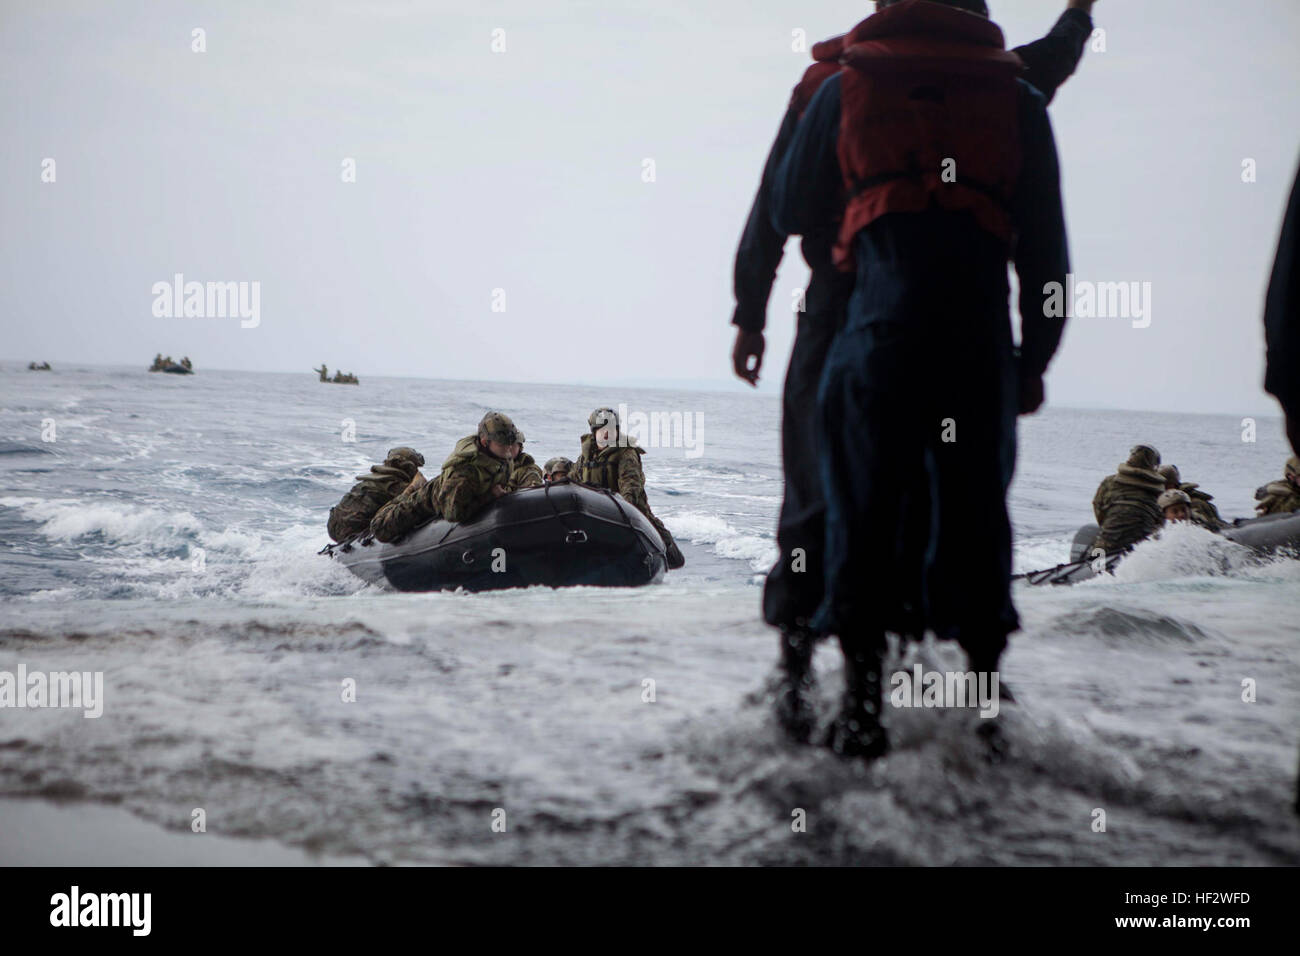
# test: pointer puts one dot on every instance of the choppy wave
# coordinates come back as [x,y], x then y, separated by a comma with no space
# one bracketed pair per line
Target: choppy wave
[727,540]
[1184,550]
[67,519]
[1033,554]
[170,541]
[134,551]
[20,448]
[1129,626]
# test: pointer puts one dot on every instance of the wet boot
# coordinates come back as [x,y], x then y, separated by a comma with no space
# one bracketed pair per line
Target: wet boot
[794,693]
[990,728]
[857,731]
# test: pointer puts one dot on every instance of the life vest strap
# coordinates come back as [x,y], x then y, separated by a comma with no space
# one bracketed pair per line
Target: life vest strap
[871,182]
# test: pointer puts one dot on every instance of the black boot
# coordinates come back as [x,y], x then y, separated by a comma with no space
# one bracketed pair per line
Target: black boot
[794,706]
[990,728]
[857,731]
[981,662]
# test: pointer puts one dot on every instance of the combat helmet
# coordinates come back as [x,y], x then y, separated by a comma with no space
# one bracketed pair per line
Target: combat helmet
[559,464]
[1170,474]
[401,455]
[1173,497]
[497,426]
[602,417]
[1143,456]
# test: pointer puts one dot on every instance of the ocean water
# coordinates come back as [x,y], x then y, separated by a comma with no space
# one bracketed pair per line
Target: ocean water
[164,531]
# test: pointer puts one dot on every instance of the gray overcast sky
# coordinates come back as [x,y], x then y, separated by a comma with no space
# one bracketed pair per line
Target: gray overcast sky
[522,171]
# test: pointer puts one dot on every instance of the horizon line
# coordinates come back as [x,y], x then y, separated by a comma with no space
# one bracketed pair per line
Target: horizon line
[771,388]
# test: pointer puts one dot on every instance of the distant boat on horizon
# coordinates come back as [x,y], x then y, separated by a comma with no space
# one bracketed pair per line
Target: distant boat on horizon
[340,378]
[183,367]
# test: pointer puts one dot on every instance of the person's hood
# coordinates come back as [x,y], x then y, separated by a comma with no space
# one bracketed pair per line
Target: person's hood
[1140,478]
[1146,458]
[1278,489]
[407,470]
[468,448]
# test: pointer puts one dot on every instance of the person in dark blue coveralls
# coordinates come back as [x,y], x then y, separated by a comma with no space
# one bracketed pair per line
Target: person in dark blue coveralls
[1282,331]
[951,167]
[794,586]
[1282,321]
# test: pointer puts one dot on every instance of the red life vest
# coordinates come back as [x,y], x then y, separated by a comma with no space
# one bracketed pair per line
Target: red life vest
[827,53]
[924,84]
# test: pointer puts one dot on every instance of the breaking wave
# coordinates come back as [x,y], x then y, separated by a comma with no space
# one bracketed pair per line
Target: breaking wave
[727,540]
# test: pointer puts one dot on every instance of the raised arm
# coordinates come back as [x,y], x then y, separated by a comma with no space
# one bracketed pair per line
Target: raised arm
[1051,61]
[1041,252]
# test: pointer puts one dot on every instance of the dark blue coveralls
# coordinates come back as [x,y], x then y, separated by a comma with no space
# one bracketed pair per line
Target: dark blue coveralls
[927,339]
[1282,329]
[1282,314]
[790,598]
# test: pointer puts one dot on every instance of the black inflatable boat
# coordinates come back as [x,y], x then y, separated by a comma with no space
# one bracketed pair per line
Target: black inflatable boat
[561,535]
[1266,535]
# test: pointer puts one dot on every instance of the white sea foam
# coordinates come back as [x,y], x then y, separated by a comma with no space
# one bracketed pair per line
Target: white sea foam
[228,676]
[1031,554]
[68,519]
[727,540]
[1181,551]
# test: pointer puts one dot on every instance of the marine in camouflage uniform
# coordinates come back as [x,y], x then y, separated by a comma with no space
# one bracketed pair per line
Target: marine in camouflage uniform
[1204,512]
[525,473]
[617,467]
[373,491]
[1281,497]
[557,469]
[471,478]
[410,509]
[1176,507]
[1125,502]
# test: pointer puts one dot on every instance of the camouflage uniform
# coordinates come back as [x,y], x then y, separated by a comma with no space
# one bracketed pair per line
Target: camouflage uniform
[461,490]
[408,510]
[617,467]
[1204,512]
[385,482]
[468,477]
[525,473]
[1125,502]
[1281,497]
